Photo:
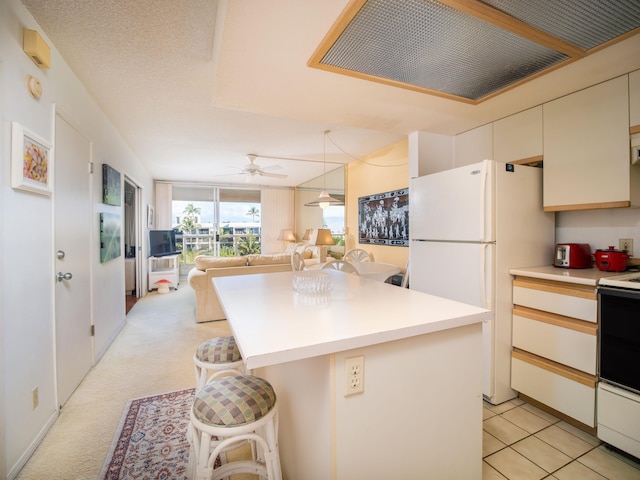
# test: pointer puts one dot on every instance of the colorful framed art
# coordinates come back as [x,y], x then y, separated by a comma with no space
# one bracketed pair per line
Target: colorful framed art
[31,161]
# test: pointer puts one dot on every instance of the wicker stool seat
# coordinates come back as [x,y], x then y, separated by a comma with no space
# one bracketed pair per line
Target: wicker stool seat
[216,357]
[226,413]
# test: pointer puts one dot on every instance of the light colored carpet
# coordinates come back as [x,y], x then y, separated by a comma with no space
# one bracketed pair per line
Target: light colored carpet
[152,354]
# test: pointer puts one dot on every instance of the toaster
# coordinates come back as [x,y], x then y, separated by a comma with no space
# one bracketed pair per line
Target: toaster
[573,255]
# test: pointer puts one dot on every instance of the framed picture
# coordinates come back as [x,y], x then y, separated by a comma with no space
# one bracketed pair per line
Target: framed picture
[383,218]
[109,236]
[111,190]
[149,216]
[31,161]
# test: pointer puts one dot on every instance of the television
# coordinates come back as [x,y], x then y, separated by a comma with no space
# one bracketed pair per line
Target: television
[162,243]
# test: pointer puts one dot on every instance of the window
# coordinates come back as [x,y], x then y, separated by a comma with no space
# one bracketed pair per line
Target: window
[216,221]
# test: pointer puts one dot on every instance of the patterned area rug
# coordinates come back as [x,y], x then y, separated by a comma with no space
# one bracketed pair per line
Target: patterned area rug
[151,440]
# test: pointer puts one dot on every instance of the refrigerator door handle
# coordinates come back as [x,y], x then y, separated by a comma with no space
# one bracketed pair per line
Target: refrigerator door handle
[483,280]
[486,198]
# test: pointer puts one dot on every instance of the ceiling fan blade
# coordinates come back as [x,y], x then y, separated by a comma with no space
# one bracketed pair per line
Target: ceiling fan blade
[251,169]
[273,175]
[270,168]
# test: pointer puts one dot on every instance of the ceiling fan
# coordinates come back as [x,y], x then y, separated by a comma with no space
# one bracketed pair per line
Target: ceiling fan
[252,169]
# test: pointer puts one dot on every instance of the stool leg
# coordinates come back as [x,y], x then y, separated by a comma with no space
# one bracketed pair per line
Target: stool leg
[201,377]
[271,434]
[193,453]
[203,447]
[205,375]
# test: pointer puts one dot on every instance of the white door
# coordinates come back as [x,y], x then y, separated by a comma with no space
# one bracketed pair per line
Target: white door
[455,270]
[454,204]
[462,272]
[74,346]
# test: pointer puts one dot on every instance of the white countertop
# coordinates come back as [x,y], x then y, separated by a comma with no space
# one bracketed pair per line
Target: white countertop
[584,276]
[273,324]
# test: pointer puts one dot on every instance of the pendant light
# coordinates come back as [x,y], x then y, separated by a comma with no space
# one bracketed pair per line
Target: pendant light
[324,200]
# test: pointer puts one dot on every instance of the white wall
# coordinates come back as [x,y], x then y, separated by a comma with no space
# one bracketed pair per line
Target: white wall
[3,147]
[599,228]
[277,214]
[27,267]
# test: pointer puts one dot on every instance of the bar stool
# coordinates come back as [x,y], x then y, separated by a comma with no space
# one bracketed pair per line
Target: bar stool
[227,413]
[219,355]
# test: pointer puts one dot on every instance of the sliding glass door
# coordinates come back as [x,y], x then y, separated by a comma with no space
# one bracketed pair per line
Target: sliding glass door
[215,221]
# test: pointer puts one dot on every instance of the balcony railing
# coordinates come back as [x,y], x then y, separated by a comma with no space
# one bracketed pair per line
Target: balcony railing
[193,244]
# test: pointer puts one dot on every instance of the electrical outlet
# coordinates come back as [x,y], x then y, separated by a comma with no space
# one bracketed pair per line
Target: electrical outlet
[354,375]
[35,398]
[626,244]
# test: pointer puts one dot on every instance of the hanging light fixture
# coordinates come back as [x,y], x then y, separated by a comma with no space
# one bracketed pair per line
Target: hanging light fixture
[324,200]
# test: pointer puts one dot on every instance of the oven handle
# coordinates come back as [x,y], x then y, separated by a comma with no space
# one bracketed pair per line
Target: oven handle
[616,292]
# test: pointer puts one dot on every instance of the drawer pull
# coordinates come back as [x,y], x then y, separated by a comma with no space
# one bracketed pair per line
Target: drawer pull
[561,288]
[581,326]
[557,368]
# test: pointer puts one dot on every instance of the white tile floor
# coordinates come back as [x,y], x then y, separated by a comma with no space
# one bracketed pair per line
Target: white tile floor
[522,442]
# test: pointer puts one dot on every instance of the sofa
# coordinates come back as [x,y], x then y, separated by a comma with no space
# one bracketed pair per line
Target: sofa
[208,267]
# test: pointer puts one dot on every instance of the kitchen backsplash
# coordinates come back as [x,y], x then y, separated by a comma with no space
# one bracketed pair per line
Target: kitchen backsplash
[599,228]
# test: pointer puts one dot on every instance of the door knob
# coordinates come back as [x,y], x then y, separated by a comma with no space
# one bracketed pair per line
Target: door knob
[60,254]
[63,276]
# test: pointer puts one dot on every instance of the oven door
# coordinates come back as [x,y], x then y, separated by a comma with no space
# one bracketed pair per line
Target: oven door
[619,337]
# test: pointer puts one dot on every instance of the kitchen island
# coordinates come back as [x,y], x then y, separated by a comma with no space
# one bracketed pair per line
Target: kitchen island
[420,415]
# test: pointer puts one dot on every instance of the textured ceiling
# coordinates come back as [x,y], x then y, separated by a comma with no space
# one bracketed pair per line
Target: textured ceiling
[194,86]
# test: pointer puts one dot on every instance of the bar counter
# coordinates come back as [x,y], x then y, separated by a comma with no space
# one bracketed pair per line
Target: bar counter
[420,415]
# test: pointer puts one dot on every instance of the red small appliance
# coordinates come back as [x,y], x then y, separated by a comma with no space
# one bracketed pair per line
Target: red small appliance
[611,260]
[572,255]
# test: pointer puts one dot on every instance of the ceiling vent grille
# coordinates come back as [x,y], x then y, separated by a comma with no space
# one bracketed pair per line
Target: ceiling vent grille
[584,23]
[465,49]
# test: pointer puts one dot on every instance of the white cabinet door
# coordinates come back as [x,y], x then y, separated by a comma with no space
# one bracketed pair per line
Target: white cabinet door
[634,101]
[473,146]
[519,136]
[586,148]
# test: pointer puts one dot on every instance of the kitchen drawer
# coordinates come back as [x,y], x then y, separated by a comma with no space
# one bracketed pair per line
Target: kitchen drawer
[561,339]
[564,389]
[567,299]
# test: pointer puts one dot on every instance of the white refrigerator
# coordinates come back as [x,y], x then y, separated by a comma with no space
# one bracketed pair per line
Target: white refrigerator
[469,226]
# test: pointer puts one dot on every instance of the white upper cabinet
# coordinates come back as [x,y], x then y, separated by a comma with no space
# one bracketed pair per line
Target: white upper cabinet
[429,153]
[586,148]
[518,138]
[473,146]
[634,101]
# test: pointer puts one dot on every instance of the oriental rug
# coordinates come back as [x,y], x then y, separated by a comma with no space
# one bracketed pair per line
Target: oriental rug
[151,439]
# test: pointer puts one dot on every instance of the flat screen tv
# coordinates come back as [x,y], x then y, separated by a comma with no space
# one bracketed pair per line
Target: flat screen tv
[162,243]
